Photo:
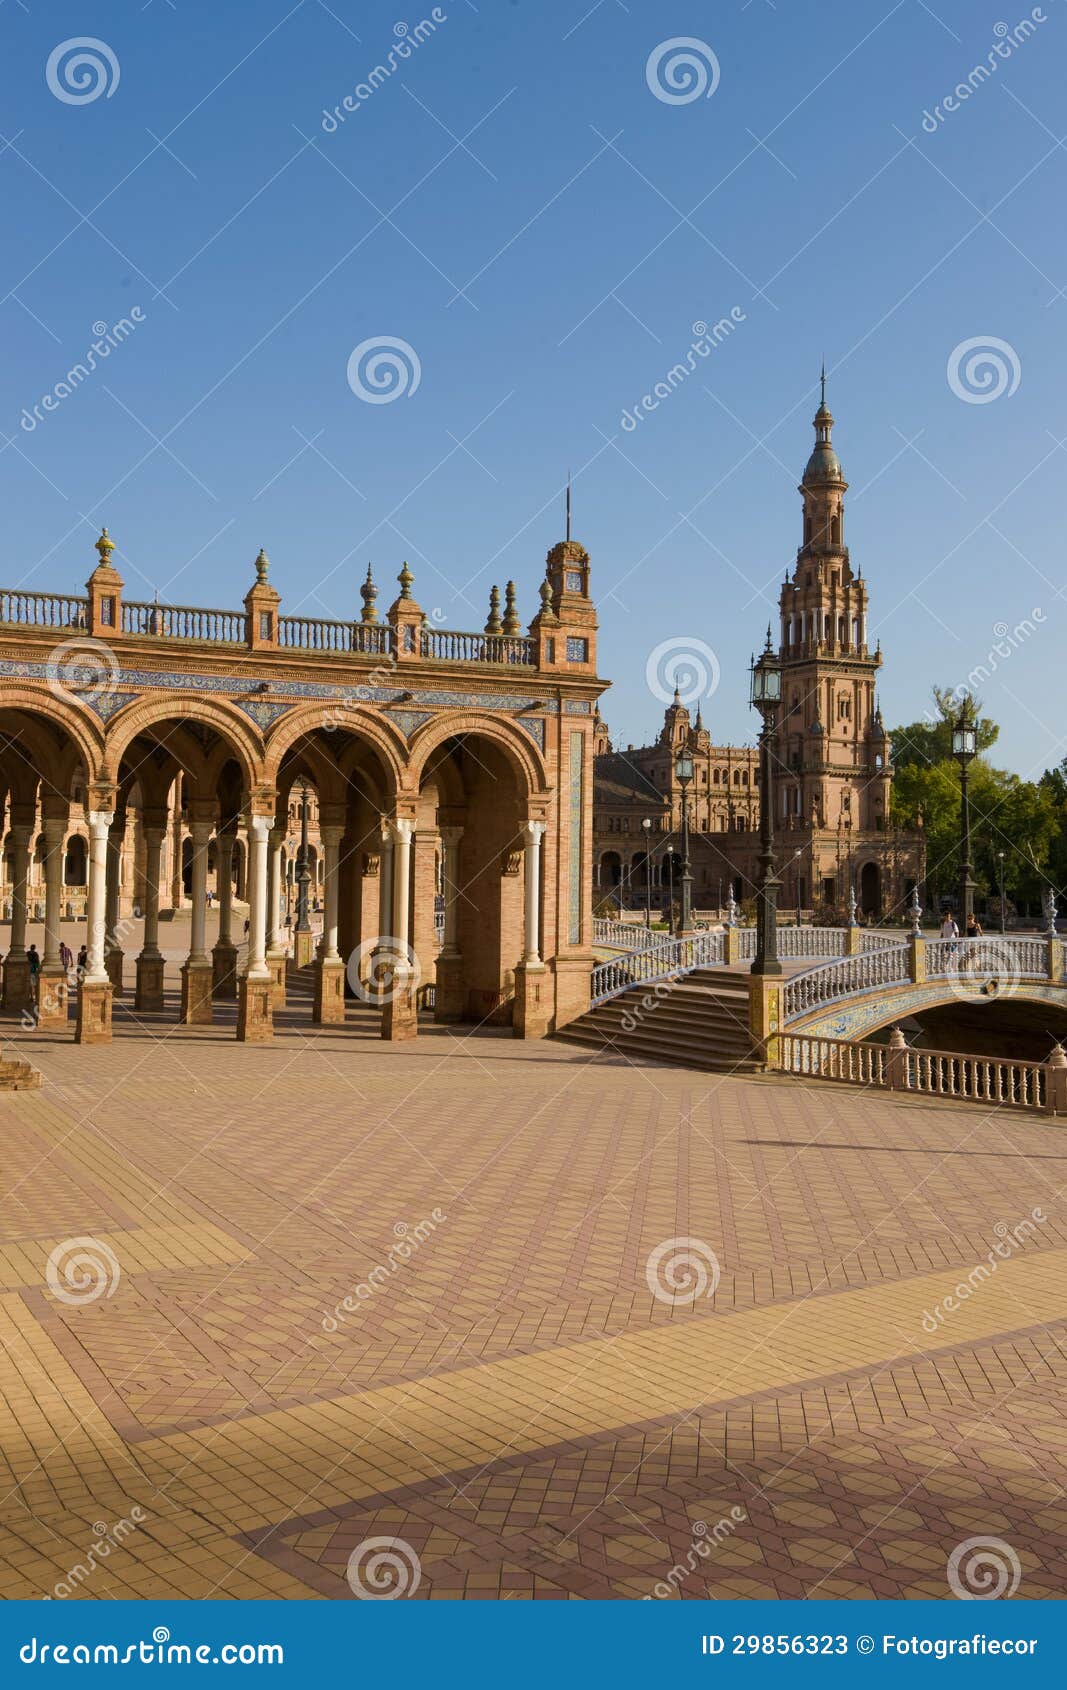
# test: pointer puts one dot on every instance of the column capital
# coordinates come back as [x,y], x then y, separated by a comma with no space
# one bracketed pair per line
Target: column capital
[331,833]
[450,834]
[401,831]
[54,829]
[201,828]
[533,832]
[260,827]
[99,822]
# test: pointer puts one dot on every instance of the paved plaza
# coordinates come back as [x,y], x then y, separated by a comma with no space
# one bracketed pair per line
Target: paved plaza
[551,1324]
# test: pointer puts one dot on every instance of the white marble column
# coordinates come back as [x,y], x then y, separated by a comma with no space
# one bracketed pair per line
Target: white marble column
[224,880]
[258,876]
[385,883]
[450,838]
[532,834]
[153,854]
[403,833]
[21,838]
[55,833]
[96,899]
[201,832]
[331,837]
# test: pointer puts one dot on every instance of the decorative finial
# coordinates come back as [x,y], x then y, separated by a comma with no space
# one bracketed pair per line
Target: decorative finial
[369,594]
[405,578]
[493,625]
[568,535]
[731,908]
[852,907]
[915,911]
[105,546]
[262,566]
[700,719]
[768,647]
[677,699]
[823,380]
[1050,913]
[512,625]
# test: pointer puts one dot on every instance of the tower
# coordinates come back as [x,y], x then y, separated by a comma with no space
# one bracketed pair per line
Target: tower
[833,750]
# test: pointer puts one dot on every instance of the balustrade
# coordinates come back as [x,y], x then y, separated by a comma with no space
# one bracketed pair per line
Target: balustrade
[183,622]
[43,610]
[817,986]
[931,1073]
[452,647]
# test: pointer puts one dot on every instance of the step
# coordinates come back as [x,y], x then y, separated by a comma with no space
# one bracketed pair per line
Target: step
[683,1054]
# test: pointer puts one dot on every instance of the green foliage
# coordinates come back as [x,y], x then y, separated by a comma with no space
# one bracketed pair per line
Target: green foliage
[1026,820]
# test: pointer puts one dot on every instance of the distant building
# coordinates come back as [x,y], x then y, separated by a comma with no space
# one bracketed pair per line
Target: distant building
[833,777]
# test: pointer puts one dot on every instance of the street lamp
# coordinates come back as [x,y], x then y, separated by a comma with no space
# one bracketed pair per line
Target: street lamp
[683,770]
[964,749]
[647,825]
[1000,886]
[303,880]
[797,854]
[765,696]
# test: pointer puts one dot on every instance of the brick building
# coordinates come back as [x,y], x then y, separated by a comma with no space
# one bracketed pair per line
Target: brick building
[832,756]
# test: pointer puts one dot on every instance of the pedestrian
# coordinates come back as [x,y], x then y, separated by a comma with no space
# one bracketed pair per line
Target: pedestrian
[949,930]
[83,961]
[34,960]
[974,927]
[66,956]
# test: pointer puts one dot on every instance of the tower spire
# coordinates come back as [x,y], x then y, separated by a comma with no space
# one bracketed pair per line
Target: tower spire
[568,533]
[823,382]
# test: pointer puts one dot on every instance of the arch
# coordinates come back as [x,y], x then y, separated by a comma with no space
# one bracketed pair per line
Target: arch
[76,861]
[353,719]
[229,722]
[514,741]
[83,729]
[610,869]
[871,888]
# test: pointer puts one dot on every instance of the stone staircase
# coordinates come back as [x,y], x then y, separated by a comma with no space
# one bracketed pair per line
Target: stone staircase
[700,1021]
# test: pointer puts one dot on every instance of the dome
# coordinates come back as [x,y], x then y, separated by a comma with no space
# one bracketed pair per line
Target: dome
[824,464]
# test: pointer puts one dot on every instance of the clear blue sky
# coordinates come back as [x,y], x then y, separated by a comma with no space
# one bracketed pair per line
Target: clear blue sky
[519,154]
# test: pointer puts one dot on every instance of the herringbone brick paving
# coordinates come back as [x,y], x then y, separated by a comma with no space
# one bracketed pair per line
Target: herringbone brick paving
[509,1398]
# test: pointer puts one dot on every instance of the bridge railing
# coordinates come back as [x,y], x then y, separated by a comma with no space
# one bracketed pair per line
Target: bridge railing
[998,1081]
[672,956]
[825,984]
[625,935]
[1007,954]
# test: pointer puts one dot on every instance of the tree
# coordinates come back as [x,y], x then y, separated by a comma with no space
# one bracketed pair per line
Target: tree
[1024,819]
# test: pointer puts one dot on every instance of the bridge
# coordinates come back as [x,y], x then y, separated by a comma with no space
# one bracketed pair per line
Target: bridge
[693,1000]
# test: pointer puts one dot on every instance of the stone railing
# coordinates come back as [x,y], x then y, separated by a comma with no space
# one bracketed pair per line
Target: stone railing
[43,610]
[671,956]
[996,1081]
[1008,954]
[315,633]
[625,935]
[452,647]
[886,966]
[183,622]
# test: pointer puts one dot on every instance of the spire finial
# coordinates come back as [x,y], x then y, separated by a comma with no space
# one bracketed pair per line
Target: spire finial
[405,579]
[512,625]
[369,594]
[568,534]
[262,566]
[493,624]
[823,381]
[105,546]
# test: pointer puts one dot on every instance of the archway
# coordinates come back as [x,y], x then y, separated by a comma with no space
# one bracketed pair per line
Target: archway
[871,889]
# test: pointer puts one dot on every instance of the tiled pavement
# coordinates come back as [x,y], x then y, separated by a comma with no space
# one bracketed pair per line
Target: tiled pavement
[504,1393]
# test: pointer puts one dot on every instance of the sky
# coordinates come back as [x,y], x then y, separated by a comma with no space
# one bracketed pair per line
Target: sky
[538,200]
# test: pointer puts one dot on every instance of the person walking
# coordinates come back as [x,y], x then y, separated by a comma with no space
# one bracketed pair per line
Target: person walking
[66,956]
[949,930]
[974,928]
[34,960]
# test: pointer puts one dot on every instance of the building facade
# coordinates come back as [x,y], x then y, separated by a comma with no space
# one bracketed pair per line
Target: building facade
[163,750]
[833,776]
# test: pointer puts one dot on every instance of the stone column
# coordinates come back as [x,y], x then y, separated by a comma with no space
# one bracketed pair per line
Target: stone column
[196,970]
[255,997]
[530,1016]
[329,968]
[53,983]
[94,993]
[370,956]
[224,955]
[16,966]
[149,988]
[399,1019]
[450,991]
[276,947]
[114,955]
[426,847]
[176,849]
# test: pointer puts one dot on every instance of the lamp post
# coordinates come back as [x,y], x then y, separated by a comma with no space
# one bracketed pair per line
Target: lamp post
[1000,887]
[683,769]
[302,947]
[670,889]
[964,749]
[797,854]
[647,825]
[765,696]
